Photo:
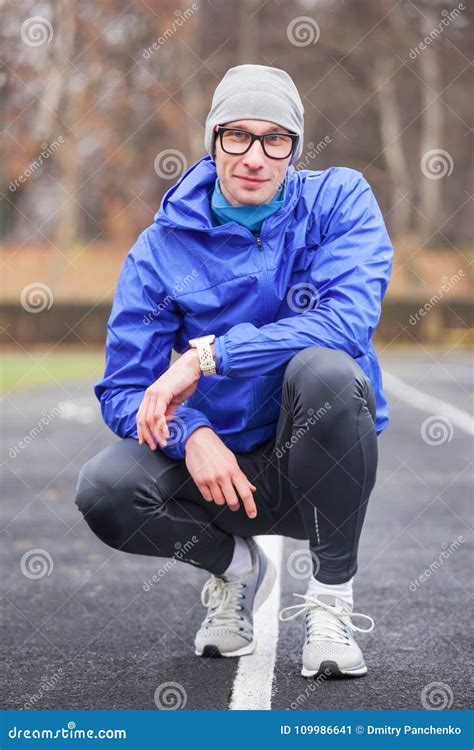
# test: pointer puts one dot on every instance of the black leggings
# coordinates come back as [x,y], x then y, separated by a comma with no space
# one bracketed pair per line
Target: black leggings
[313,480]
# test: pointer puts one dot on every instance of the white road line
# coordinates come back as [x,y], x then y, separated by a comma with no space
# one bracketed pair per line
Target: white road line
[425,402]
[77,412]
[252,689]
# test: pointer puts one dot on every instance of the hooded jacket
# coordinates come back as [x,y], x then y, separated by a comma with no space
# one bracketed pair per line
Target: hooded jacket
[315,275]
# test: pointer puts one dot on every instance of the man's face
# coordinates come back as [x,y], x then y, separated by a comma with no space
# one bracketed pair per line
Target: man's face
[252,178]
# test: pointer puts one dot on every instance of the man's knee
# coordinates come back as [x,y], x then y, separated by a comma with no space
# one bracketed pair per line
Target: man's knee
[320,375]
[319,365]
[98,499]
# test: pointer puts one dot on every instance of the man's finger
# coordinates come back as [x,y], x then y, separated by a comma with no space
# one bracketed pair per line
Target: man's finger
[148,409]
[205,492]
[161,431]
[147,436]
[157,422]
[216,493]
[229,493]
[150,413]
[138,419]
[243,488]
[144,433]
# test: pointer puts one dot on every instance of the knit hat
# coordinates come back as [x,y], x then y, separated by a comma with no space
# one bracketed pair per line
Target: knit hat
[256,92]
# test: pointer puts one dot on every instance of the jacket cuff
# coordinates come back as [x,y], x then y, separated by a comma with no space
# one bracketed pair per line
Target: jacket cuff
[222,357]
[177,441]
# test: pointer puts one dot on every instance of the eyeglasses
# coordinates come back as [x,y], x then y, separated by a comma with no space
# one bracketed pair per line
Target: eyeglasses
[275,145]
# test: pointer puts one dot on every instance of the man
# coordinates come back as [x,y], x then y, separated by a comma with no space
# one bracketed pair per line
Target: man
[269,282]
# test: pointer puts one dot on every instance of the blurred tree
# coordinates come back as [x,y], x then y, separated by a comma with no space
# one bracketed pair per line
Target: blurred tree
[383,85]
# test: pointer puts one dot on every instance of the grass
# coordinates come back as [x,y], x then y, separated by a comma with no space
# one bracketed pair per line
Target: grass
[38,367]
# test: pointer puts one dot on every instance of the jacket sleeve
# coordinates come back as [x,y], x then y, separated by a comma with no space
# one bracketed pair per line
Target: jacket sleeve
[140,336]
[347,282]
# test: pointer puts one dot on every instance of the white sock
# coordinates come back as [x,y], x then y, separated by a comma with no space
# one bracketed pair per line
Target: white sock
[241,560]
[341,590]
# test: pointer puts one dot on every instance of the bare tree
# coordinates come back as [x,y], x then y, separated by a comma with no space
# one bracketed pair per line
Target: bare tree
[390,123]
[432,126]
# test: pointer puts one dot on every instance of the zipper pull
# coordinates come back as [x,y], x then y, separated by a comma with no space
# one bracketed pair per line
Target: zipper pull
[259,243]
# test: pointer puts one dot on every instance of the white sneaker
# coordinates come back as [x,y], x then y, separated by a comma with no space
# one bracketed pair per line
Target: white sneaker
[227,629]
[330,648]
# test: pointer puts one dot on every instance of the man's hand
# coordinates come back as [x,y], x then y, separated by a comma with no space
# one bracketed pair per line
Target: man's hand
[216,472]
[163,397]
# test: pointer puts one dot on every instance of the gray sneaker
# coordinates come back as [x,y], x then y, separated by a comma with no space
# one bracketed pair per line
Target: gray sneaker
[330,648]
[227,629]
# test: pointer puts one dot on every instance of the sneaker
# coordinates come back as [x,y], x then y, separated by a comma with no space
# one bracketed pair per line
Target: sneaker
[227,629]
[330,648]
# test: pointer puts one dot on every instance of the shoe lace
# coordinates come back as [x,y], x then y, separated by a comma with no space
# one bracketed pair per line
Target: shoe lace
[222,598]
[325,622]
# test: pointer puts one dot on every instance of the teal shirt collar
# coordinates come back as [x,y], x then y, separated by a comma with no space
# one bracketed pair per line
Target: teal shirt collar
[251,217]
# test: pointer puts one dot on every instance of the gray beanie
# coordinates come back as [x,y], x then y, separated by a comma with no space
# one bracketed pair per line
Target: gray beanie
[256,92]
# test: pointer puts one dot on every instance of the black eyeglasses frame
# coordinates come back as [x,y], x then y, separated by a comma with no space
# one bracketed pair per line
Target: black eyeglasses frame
[221,129]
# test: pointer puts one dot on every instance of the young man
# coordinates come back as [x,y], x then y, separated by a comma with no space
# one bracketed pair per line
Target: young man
[269,282]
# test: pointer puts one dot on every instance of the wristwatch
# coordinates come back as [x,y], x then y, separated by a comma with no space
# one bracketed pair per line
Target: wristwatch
[206,360]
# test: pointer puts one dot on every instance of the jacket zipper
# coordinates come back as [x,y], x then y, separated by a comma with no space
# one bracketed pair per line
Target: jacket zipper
[257,387]
[265,273]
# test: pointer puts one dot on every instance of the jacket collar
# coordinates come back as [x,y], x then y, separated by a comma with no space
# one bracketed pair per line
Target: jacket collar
[187,204]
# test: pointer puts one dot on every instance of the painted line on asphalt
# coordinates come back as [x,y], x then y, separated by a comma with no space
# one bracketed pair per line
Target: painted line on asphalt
[252,689]
[425,402]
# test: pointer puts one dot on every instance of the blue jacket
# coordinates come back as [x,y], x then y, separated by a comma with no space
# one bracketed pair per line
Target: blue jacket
[315,276]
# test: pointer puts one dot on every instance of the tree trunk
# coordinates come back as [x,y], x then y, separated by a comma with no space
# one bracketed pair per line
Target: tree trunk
[394,154]
[248,32]
[432,164]
[57,80]
[67,228]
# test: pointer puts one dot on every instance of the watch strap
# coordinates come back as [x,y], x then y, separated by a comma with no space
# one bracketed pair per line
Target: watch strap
[207,361]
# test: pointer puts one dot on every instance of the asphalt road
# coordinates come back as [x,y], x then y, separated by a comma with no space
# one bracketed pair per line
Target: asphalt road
[87,635]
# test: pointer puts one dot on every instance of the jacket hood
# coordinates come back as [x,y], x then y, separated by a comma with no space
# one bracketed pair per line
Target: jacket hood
[188,203]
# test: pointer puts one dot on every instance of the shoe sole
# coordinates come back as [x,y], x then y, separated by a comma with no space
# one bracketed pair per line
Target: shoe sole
[261,596]
[331,669]
[213,652]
